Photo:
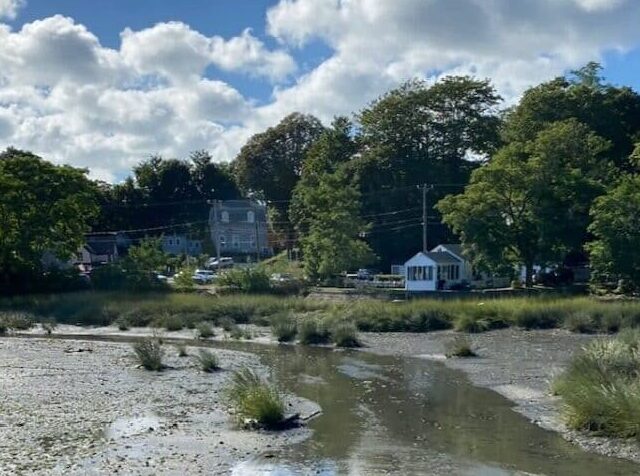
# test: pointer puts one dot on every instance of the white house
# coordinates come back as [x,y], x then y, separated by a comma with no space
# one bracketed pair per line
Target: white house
[432,271]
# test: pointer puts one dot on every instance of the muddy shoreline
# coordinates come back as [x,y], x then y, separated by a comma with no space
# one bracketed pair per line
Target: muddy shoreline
[84,407]
[516,364]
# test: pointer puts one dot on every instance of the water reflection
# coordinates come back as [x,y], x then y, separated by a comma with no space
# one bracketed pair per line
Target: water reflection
[386,415]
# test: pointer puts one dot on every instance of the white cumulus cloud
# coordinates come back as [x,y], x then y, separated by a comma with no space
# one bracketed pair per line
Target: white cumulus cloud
[9,8]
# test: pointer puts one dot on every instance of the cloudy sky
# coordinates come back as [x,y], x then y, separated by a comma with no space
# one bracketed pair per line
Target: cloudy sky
[104,84]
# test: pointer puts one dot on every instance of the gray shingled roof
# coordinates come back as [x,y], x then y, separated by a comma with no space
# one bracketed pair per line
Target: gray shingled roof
[441,257]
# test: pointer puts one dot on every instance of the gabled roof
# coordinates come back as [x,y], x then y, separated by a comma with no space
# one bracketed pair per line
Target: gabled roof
[438,257]
[455,249]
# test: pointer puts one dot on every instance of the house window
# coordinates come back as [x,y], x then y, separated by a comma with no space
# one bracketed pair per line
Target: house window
[177,241]
[251,217]
[420,273]
[170,242]
[225,217]
[235,239]
[223,240]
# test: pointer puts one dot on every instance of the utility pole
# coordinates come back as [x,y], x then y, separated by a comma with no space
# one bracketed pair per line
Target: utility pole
[255,220]
[424,218]
[216,230]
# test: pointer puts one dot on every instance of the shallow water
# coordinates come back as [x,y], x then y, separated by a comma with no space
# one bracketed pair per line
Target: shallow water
[389,415]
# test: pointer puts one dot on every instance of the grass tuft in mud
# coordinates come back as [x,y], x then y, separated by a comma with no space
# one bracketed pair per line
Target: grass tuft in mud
[313,331]
[345,334]
[459,347]
[284,327]
[181,350]
[256,400]
[204,330]
[208,361]
[149,353]
[600,389]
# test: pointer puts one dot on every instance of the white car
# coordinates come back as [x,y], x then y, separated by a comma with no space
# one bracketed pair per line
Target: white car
[225,262]
[203,276]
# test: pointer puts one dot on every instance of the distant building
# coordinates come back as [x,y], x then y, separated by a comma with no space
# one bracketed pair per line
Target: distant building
[100,249]
[176,244]
[431,271]
[239,227]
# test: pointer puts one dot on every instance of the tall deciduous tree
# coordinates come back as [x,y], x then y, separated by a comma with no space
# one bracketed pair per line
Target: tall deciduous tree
[331,242]
[43,208]
[419,134]
[611,112]
[615,252]
[270,164]
[529,205]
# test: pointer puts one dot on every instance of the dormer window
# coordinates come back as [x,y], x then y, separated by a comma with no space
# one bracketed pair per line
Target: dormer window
[225,217]
[251,216]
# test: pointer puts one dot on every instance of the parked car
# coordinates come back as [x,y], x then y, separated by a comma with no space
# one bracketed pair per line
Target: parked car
[279,278]
[364,274]
[225,262]
[203,276]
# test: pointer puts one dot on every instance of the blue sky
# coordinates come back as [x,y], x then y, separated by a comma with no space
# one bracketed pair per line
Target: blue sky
[105,83]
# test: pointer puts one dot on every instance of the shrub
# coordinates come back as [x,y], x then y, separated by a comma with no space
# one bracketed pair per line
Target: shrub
[19,321]
[459,347]
[238,333]
[284,328]
[312,331]
[256,400]
[204,330]
[149,353]
[208,361]
[246,280]
[182,350]
[472,325]
[345,334]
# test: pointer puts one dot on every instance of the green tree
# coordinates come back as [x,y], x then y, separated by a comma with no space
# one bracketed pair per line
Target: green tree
[529,205]
[611,112]
[148,256]
[270,164]
[43,208]
[331,242]
[615,251]
[419,134]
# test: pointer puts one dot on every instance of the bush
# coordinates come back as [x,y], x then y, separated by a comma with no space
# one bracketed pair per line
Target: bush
[149,353]
[284,328]
[256,400]
[600,388]
[238,333]
[472,325]
[246,280]
[459,347]
[345,334]
[227,324]
[208,361]
[580,321]
[19,321]
[312,331]
[204,330]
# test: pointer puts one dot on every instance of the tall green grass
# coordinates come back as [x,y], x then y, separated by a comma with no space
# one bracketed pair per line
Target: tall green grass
[174,310]
[601,387]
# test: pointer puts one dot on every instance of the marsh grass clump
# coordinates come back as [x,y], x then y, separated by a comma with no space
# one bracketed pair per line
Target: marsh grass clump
[149,353]
[208,361]
[238,333]
[204,330]
[313,331]
[459,347]
[284,328]
[254,399]
[581,322]
[170,322]
[49,326]
[227,324]
[601,387]
[3,326]
[345,334]
[122,323]
[181,349]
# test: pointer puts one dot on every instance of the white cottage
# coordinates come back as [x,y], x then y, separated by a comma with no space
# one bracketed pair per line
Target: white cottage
[432,271]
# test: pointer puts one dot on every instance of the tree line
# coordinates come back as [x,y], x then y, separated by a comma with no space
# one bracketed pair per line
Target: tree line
[552,180]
